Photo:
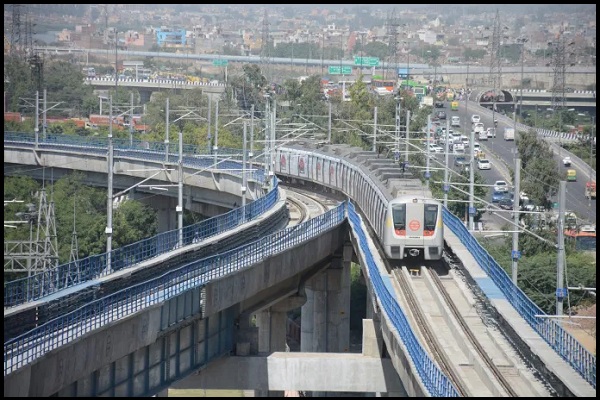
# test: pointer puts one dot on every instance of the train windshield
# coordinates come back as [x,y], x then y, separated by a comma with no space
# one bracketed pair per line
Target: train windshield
[399,215]
[431,212]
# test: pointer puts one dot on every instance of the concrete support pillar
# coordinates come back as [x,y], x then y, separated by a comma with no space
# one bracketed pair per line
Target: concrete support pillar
[271,337]
[320,313]
[167,216]
[369,309]
[326,314]
[271,330]
[306,320]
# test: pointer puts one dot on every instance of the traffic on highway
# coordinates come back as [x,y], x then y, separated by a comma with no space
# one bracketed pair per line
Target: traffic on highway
[501,154]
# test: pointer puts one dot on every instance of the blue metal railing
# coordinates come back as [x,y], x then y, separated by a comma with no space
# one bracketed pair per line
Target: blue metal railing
[559,339]
[118,144]
[99,146]
[55,333]
[434,380]
[67,275]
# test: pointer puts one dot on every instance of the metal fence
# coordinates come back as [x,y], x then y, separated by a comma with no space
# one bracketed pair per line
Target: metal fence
[559,339]
[434,380]
[74,273]
[101,143]
[62,330]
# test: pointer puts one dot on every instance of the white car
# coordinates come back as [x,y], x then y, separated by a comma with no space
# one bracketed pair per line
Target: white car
[567,161]
[455,121]
[500,186]
[475,118]
[434,148]
[484,164]
[491,132]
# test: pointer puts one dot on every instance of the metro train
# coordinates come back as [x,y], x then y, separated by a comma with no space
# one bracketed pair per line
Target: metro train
[404,215]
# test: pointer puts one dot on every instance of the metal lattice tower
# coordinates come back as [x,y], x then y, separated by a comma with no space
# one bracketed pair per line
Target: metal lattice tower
[46,235]
[559,66]
[16,30]
[265,58]
[36,254]
[392,35]
[29,32]
[74,256]
[495,67]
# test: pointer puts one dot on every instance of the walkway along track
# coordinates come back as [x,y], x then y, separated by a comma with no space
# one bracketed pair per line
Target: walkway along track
[469,333]
[478,360]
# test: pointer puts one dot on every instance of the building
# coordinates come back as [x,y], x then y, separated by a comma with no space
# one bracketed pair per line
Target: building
[167,37]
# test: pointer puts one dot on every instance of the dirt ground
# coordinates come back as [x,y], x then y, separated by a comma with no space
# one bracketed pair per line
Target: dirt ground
[585,331]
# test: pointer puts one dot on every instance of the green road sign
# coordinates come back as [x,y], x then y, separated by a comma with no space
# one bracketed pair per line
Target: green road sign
[366,61]
[220,63]
[336,70]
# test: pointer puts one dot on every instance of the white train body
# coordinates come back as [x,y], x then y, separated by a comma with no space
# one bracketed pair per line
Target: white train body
[333,167]
[413,227]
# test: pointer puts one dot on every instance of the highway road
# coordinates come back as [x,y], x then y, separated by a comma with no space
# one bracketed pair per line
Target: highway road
[501,151]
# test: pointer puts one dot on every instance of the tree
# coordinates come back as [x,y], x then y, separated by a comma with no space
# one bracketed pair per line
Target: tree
[538,178]
[132,222]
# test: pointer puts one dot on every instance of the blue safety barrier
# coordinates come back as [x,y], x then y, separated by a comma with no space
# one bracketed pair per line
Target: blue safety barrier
[120,144]
[67,275]
[559,339]
[434,380]
[62,330]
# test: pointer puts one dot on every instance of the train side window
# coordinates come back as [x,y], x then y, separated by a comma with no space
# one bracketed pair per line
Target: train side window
[399,216]
[431,213]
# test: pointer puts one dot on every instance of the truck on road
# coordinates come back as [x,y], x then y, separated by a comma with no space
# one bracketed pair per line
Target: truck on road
[590,190]
[509,134]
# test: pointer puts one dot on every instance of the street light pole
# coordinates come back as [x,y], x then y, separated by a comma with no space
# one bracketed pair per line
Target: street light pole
[166,131]
[407,136]
[375,129]
[397,136]
[109,205]
[427,175]
[522,41]
[446,183]
[515,235]
[216,145]
[179,208]
[561,248]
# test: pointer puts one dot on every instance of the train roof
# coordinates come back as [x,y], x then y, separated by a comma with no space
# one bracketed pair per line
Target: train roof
[387,174]
[403,198]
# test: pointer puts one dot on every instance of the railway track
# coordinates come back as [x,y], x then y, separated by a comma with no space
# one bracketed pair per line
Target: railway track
[443,312]
[476,358]
[304,205]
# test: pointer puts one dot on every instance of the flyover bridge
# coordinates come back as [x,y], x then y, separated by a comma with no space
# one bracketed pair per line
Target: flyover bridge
[184,319]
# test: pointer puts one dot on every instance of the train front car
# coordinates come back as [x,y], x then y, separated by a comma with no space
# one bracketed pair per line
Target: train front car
[413,228]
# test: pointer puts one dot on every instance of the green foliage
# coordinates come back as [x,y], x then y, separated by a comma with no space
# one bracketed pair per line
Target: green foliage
[431,53]
[538,176]
[537,269]
[474,54]
[23,189]
[376,49]
[18,82]
[358,298]
[133,221]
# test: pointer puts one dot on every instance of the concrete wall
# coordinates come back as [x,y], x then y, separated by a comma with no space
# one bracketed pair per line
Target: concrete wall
[210,193]
[298,371]
[113,359]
